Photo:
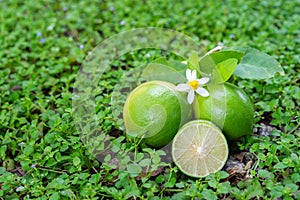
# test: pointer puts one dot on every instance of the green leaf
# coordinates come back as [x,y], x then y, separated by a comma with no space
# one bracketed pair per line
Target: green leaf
[224,70]
[160,152]
[225,54]
[134,168]
[280,166]
[295,177]
[171,182]
[76,161]
[28,150]
[181,195]
[124,161]
[209,62]
[209,194]
[107,158]
[145,162]
[160,179]
[2,151]
[223,188]
[54,196]
[180,185]
[95,178]
[265,174]
[163,70]
[292,187]
[223,174]
[257,65]
[276,191]
[212,183]
[2,170]
[193,62]
[254,189]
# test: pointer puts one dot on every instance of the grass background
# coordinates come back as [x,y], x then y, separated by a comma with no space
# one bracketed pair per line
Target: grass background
[42,45]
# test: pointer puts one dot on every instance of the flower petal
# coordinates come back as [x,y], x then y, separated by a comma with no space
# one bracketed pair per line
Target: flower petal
[202,81]
[188,75]
[183,87]
[203,92]
[191,96]
[194,74]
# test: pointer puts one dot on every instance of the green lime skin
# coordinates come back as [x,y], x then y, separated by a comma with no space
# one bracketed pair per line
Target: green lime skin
[155,111]
[234,115]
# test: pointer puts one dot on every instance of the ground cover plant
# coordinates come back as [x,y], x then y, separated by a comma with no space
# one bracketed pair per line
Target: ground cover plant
[44,43]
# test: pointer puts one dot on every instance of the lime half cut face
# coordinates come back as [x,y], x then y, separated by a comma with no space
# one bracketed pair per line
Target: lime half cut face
[199,148]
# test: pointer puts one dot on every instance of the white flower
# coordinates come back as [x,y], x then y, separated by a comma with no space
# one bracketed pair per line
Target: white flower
[193,85]
[20,189]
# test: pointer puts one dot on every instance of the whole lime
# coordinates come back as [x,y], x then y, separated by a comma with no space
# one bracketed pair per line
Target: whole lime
[155,111]
[229,108]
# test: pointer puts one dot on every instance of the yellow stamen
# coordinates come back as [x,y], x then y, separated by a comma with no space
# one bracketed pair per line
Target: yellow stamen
[194,84]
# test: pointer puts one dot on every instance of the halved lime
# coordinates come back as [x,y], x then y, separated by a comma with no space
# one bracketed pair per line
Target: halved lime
[199,148]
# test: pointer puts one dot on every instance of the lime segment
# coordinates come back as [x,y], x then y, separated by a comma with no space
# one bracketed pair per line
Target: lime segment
[199,148]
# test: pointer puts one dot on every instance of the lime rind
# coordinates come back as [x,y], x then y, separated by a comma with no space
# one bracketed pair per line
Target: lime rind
[151,119]
[229,108]
[155,111]
[187,151]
